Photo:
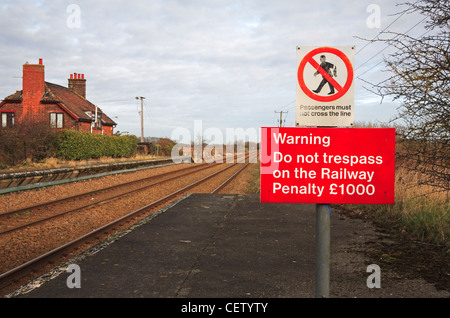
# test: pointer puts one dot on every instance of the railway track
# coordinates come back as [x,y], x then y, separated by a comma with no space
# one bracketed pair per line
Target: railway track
[11,221]
[40,218]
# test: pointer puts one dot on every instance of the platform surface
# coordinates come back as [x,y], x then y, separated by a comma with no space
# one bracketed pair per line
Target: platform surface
[227,246]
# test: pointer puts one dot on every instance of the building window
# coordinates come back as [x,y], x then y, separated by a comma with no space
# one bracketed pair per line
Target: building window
[8,119]
[56,120]
[99,120]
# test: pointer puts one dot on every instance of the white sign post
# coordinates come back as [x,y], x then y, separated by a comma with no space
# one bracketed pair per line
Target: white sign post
[325,94]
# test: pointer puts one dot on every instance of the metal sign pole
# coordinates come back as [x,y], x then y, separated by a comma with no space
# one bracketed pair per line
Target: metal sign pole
[322,283]
[323,242]
[306,100]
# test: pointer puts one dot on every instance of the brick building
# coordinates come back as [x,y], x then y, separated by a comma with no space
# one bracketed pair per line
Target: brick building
[60,107]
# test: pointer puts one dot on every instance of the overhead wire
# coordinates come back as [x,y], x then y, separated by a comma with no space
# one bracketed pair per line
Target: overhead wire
[375,55]
[382,31]
[284,106]
[395,37]
[379,33]
[371,41]
[383,60]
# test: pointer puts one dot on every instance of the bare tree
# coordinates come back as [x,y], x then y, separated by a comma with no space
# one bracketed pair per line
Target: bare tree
[419,77]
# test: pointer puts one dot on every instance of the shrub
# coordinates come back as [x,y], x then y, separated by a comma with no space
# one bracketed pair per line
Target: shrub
[33,141]
[165,146]
[76,145]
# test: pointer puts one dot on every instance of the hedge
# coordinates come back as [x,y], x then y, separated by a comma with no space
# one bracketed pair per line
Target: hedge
[76,145]
[29,141]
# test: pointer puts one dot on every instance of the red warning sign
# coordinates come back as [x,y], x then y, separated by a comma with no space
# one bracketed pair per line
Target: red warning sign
[327,165]
[341,89]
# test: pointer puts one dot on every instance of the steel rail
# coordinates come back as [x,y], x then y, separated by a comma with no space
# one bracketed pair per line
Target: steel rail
[226,182]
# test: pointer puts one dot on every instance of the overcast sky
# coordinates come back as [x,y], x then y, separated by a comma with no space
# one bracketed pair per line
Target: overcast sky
[229,64]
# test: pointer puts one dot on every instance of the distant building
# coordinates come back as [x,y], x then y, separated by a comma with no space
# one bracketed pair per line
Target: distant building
[60,107]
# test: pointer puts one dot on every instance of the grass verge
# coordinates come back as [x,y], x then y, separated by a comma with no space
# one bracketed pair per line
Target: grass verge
[419,211]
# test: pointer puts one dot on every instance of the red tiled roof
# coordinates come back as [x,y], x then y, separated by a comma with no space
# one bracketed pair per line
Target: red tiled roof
[17,96]
[74,104]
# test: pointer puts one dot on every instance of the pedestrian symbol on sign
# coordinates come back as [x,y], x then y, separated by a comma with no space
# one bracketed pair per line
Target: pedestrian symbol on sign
[327,70]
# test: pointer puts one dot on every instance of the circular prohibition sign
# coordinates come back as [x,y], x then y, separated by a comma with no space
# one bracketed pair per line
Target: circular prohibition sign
[341,89]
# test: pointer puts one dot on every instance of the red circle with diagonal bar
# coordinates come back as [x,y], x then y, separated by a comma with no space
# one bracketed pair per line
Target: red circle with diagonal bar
[341,89]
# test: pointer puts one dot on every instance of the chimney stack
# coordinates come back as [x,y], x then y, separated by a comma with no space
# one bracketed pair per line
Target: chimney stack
[77,84]
[33,86]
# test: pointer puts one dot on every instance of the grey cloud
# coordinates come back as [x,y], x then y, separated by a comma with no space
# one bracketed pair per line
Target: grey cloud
[225,62]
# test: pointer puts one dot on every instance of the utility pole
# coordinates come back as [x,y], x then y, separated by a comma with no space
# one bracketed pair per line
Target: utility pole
[281,117]
[142,117]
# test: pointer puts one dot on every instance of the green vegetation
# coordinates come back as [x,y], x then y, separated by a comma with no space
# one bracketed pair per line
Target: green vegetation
[419,211]
[255,182]
[76,145]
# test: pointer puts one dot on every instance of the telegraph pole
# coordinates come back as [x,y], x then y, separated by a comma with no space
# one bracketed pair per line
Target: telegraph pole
[281,117]
[142,117]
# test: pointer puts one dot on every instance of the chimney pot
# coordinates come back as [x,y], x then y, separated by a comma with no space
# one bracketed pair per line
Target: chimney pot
[82,76]
[71,76]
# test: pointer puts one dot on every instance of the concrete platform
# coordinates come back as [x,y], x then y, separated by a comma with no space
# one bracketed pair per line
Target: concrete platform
[228,246]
